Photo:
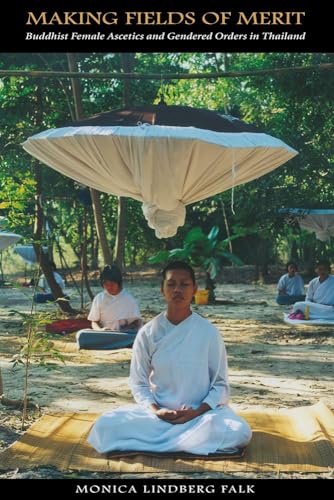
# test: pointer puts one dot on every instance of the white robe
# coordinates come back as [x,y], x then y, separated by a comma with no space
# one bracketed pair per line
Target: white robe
[110,310]
[319,298]
[174,365]
[291,285]
[321,292]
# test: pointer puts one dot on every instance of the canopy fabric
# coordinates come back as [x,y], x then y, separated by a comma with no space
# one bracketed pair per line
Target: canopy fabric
[164,166]
[174,115]
[318,221]
[27,253]
[7,239]
[321,225]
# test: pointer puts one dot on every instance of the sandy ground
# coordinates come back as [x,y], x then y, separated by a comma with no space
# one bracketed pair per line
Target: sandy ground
[271,364]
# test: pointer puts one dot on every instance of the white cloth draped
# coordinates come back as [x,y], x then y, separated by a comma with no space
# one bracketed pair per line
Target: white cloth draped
[319,298]
[164,167]
[320,224]
[316,311]
[111,309]
[174,365]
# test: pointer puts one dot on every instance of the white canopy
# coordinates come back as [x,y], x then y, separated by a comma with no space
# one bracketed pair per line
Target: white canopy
[27,253]
[319,221]
[7,239]
[164,167]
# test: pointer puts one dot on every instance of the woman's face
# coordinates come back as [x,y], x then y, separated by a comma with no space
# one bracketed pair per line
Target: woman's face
[111,287]
[178,288]
[322,271]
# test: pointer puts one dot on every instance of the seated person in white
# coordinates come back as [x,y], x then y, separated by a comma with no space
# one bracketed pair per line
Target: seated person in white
[178,377]
[320,294]
[290,286]
[45,294]
[114,309]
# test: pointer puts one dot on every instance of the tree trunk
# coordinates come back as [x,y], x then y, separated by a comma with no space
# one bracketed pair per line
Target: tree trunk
[309,258]
[120,233]
[65,265]
[84,267]
[93,243]
[95,195]
[294,251]
[264,260]
[127,60]
[42,258]
[100,228]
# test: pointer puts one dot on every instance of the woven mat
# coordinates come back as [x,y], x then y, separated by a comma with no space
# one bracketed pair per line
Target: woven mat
[307,321]
[299,440]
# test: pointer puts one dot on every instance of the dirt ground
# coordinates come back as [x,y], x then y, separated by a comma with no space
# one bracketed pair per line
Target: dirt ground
[271,365]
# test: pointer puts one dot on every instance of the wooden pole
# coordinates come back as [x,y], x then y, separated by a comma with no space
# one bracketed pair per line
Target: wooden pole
[127,62]
[165,76]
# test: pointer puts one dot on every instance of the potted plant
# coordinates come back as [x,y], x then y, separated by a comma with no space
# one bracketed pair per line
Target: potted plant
[202,250]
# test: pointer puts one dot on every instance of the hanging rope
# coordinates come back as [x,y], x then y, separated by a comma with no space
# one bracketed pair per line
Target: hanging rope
[233,181]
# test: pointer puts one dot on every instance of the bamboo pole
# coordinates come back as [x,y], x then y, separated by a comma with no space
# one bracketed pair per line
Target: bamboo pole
[166,76]
[78,111]
[127,60]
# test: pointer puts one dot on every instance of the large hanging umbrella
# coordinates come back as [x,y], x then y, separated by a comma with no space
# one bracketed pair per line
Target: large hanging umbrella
[7,239]
[28,254]
[164,156]
[318,221]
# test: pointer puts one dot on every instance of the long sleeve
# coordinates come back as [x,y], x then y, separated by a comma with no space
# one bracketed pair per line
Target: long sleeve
[219,389]
[140,370]
[281,286]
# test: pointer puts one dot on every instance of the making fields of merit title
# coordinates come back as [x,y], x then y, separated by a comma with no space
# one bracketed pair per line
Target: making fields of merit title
[143,19]
[84,18]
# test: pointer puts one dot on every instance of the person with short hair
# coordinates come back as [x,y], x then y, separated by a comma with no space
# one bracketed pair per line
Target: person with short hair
[320,294]
[113,310]
[290,286]
[179,380]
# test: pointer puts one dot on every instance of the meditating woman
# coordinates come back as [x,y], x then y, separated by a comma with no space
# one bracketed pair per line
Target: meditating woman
[179,379]
[290,286]
[45,294]
[320,294]
[113,310]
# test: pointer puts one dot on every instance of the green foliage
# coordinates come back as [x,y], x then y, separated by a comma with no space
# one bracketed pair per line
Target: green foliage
[296,107]
[36,348]
[201,250]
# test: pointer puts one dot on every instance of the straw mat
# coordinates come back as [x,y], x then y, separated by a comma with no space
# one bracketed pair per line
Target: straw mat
[299,440]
